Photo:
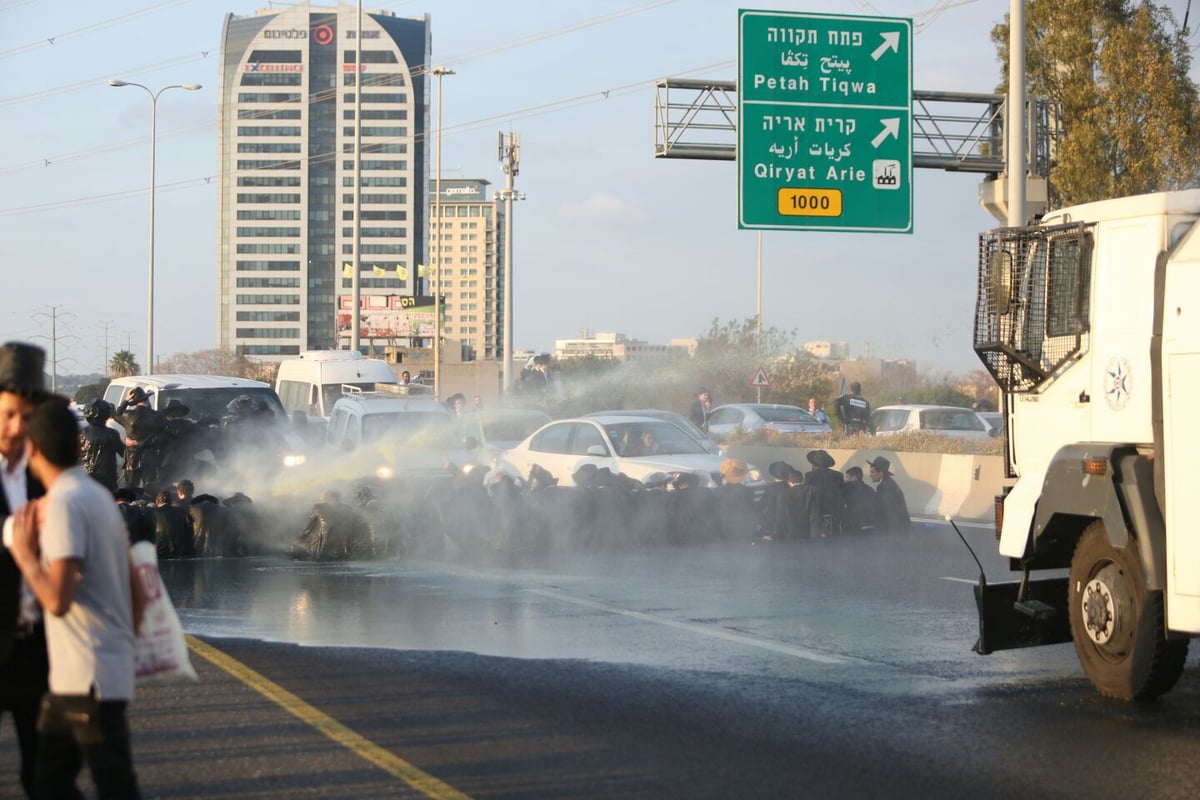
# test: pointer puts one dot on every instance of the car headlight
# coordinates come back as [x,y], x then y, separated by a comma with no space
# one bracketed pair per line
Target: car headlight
[384,472]
[294,460]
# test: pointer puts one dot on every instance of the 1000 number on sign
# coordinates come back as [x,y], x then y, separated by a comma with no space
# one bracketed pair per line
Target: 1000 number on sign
[810,202]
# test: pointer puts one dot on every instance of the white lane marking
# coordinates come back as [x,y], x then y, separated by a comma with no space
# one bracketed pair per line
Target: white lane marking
[971,581]
[696,627]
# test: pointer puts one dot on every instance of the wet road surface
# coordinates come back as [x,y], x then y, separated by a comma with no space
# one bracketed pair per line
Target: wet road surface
[838,668]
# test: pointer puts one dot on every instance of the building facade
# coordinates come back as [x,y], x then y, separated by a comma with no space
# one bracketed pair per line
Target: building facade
[285,220]
[619,347]
[466,262]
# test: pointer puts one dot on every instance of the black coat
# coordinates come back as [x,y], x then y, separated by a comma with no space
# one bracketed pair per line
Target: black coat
[100,451]
[10,575]
[892,506]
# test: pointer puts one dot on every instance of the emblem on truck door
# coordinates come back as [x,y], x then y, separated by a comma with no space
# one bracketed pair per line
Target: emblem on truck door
[1117,383]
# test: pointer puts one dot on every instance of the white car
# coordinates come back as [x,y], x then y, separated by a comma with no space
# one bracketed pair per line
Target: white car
[636,446]
[952,421]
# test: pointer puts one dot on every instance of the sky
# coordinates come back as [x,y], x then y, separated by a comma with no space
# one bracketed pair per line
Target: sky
[608,238]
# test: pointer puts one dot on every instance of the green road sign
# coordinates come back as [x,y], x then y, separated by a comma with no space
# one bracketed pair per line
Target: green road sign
[824,127]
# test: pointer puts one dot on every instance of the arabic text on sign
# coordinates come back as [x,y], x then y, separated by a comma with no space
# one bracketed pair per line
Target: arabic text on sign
[809,202]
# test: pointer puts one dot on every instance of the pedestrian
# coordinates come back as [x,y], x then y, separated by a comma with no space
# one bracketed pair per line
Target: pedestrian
[456,404]
[701,409]
[735,502]
[23,663]
[853,411]
[101,446]
[773,506]
[861,502]
[477,403]
[824,495]
[172,528]
[817,412]
[72,549]
[144,434]
[181,440]
[893,510]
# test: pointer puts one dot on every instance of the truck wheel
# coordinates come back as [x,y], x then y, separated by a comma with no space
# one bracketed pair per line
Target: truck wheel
[1117,625]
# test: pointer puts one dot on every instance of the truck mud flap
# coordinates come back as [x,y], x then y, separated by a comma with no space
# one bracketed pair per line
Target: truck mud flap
[1040,618]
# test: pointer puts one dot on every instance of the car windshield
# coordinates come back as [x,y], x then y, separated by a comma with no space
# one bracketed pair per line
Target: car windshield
[647,439]
[212,402]
[420,428]
[785,414]
[512,427]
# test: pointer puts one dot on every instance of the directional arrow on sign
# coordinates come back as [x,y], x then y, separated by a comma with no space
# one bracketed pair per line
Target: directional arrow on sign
[891,41]
[891,127]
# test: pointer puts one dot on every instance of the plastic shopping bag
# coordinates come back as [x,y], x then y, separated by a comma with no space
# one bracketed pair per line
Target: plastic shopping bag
[161,649]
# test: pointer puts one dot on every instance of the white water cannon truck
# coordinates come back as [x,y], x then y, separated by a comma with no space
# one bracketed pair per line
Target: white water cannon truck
[1090,322]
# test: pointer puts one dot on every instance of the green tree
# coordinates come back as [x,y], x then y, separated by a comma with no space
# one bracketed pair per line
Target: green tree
[1118,71]
[90,391]
[123,364]
[728,354]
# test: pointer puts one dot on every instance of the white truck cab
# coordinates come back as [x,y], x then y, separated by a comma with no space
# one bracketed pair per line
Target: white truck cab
[1090,323]
[313,382]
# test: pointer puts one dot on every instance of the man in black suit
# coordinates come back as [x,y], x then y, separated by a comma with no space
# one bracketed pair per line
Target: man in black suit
[23,663]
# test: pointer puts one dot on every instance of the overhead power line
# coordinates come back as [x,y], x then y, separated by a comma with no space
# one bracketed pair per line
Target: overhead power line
[49,41]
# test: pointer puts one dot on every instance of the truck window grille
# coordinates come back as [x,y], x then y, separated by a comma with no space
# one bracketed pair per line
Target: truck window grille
[1031,306]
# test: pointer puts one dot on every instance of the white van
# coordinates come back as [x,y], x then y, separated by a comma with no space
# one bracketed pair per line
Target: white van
[208,397]
[313,382]
[204,395]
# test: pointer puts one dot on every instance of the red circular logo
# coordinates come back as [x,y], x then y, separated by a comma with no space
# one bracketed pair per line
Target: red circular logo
[323,34]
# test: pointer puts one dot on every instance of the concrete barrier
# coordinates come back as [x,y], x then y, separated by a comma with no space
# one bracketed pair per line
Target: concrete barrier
[934,484]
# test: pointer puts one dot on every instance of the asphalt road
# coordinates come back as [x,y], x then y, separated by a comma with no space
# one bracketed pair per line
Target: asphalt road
[838,668]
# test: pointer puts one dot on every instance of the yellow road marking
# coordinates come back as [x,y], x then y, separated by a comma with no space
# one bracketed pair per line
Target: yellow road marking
[387,761]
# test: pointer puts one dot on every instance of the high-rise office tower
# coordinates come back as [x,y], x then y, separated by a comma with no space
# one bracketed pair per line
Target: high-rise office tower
[285,221]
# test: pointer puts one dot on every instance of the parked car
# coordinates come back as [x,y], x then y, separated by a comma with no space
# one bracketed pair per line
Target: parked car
[636,446]
[678,420]
[770,417]
[959,423]
[487,434]
[994,421]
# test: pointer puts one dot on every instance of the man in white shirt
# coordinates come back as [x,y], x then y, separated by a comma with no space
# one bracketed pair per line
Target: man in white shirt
[72,548]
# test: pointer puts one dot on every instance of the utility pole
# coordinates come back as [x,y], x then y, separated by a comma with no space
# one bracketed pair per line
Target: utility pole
[355,285]
[53,315]
[510,163]
[105,325]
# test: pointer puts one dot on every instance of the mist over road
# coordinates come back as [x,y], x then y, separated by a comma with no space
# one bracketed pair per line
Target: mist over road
[833,668]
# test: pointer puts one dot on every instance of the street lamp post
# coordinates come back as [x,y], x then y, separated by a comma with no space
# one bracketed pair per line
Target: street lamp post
[440,72]
[510,160]
[191,87]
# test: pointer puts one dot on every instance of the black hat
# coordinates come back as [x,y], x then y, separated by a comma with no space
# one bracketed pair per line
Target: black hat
[175,408]
[819,458]
[98,411]
[882,464]
[779,470]
[22,369]
[136,395]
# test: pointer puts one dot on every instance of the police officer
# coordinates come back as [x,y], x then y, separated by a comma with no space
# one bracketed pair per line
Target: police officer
[853,411]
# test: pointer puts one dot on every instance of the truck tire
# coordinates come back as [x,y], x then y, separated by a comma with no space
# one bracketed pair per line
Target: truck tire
[1117,625]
